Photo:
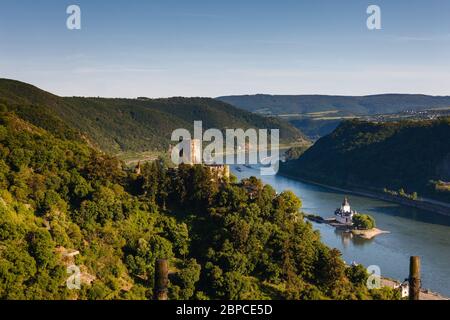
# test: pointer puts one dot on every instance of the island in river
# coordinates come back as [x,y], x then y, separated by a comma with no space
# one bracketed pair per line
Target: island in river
[364,234]
[414,231]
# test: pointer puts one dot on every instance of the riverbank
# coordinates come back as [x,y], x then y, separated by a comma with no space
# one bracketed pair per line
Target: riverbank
[424,293]
[413,232]
[432,206]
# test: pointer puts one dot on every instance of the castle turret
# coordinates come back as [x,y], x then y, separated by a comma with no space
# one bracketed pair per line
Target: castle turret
[346,206]
[345,213]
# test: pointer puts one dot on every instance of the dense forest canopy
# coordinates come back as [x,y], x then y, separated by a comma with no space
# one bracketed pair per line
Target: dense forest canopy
[224,239]
[409,157]
[137,125]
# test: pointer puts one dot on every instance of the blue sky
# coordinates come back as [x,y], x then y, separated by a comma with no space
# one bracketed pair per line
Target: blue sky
[160,48]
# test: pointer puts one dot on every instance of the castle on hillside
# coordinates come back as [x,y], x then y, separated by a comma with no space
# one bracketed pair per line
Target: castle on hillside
[345,214]
[191,153]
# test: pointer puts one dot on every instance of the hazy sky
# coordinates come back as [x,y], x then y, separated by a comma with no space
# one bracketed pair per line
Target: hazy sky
[160,48]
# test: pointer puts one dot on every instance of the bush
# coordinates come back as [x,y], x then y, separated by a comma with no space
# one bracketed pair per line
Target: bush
[364,222]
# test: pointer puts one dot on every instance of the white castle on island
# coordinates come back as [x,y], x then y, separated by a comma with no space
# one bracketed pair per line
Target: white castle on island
[345,214]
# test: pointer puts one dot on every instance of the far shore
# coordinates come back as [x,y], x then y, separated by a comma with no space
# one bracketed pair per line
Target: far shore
[420,204]
[133,158]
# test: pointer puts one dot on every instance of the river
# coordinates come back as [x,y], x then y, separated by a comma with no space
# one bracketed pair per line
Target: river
[414,232]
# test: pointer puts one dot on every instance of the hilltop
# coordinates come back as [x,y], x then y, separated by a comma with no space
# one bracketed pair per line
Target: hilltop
[318,115]
[341,105]
[121,125]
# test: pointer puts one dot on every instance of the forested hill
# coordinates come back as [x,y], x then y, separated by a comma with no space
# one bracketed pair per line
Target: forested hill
[64,204]
[117,125]
[409,155]
[343,105]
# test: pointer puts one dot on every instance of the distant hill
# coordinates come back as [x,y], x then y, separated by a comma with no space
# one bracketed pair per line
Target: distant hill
[409,155]
[318,115]
[117,125]
[344,105]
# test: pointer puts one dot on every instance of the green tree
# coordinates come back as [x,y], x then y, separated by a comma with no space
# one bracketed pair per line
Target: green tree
[364,222]
[357,274]
[187,278]
[41,247]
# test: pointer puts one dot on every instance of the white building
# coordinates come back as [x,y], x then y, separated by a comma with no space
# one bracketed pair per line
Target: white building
[404,289]
[345,213]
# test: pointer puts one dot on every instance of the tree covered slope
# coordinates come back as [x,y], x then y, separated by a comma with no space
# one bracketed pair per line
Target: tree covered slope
[60,196]
[409,155]
[117,125]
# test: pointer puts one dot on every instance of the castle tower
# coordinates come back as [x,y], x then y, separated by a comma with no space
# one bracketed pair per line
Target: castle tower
[138,169]
[345,214]
[346,206]
[196,152]
[191,152]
